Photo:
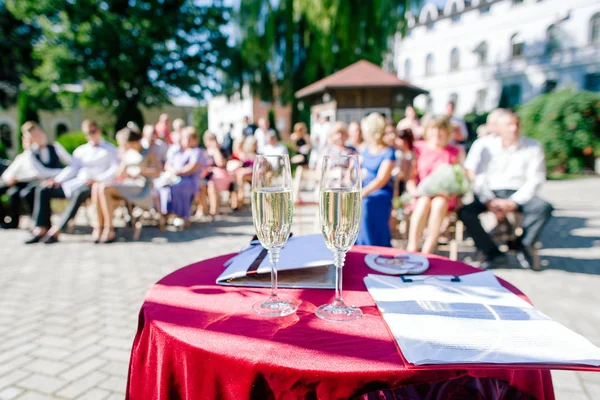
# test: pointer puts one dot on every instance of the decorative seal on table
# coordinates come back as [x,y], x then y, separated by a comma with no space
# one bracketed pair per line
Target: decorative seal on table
[397,265]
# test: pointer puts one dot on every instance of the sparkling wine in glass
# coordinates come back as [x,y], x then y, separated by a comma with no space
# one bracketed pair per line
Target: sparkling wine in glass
[272,216]
[339,216]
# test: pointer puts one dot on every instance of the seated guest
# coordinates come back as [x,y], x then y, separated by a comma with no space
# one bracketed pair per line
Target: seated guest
[411,121]
[337,138]
[217,175]
[38,161]
[175,144]
[355,137]
[404,145]
[300,141]
[133,183]
[151,141]
[431,153]
[162,128]
[185,164]
[508,170]
[272,146]
[95,161]
[377,162]
[243,174]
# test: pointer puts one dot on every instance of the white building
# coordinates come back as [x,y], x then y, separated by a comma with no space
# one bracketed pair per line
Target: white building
[475,52]
[224,112]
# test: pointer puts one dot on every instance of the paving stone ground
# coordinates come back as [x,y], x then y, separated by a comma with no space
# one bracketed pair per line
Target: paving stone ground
[68,312]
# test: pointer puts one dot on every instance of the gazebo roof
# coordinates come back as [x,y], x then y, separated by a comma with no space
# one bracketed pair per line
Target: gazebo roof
[361,74]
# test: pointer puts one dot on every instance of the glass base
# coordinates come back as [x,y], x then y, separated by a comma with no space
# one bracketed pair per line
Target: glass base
[275,307]
[338,311]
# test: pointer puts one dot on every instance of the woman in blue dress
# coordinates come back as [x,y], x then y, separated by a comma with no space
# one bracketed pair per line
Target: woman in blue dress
[377,163]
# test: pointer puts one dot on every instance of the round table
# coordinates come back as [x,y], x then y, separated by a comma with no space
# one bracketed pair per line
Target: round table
[199,340]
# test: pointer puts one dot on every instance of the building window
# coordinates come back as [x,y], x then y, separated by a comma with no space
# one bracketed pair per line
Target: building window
[516,46]
[595,29]
[454,13]
[549,86]
[480,99]
[592,82]
[454,60]
[511,95]
[482,52]
[407,69]
[552,39]
[429,65]
[60,128]
[484,10]
[6,135]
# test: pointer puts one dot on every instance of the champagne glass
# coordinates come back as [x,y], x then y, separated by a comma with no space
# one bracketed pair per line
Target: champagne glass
[339,215]
[272,216]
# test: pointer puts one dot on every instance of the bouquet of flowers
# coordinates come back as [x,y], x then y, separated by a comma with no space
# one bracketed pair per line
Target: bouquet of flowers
[447,179]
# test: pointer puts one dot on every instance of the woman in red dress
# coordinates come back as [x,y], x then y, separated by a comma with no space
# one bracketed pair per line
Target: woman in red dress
[430,153]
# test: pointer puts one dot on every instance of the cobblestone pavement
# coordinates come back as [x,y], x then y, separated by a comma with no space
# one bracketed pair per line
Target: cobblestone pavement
[68,312]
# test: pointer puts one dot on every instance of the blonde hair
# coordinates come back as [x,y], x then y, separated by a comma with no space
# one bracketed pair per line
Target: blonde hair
[495,115]
[208,135]
[338,127]
[373,127]
[178,124]
[28,127]
[442,122]
[300,127]
[190,132]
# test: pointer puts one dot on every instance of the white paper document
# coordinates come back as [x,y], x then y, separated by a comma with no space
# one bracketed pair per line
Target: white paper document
[436,320]
[304,261]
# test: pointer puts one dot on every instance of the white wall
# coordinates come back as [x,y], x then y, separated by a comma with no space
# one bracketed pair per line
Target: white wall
[531,20]
[223,111]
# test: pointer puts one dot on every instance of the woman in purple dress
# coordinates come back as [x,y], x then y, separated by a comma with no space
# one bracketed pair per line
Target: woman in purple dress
[184,166]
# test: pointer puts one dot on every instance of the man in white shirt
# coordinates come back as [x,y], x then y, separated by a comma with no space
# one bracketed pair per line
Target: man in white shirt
[461,133]
[507,171]
[38,161]
[273,148]
[95,161]
[260,134]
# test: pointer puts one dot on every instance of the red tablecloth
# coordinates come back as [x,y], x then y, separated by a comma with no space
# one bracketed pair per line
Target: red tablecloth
[198,340]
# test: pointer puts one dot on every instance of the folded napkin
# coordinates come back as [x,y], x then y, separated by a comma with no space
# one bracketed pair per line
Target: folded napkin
[306,258]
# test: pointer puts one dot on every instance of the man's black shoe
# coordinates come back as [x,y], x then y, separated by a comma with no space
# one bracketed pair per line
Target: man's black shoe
[495,259]
[524,257]
[34,239]
[50,240]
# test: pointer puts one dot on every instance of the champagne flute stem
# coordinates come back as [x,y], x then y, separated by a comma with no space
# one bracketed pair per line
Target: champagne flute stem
[339,258]
[274,258]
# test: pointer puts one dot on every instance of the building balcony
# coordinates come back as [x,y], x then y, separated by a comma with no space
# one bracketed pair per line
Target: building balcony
[573,57]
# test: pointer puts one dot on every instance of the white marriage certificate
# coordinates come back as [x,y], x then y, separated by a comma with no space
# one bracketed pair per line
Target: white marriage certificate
[476,320]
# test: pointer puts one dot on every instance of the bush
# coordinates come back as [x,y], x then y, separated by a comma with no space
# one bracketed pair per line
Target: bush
[567,124]
[72,140]
[3,152]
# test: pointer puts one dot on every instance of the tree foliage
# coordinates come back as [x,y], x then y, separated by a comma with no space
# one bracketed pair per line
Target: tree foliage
[16,38]
[126,53]
[568,126]
[291,43]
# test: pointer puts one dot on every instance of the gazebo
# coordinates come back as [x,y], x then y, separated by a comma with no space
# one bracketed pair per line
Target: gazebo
[357,90]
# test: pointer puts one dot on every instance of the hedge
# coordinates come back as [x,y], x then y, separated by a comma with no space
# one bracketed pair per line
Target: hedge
[567,124]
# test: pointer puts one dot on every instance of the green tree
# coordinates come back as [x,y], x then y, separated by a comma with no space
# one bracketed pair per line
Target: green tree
[126,53]
[16,49]
[292,43]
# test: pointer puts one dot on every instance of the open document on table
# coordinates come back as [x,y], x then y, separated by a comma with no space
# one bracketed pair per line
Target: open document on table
[472,319]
